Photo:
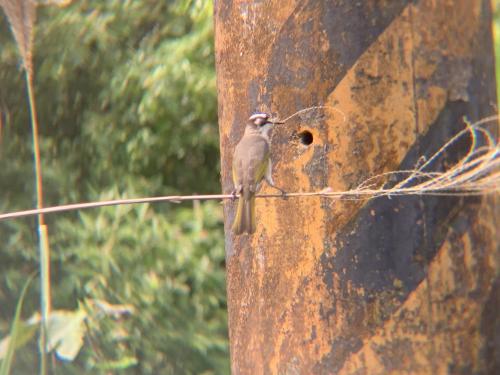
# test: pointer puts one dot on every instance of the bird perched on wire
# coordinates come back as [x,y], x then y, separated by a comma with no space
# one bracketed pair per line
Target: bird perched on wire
[251,165]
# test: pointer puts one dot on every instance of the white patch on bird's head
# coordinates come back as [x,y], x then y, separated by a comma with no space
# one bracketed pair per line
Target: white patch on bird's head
[259,118]
[259,123]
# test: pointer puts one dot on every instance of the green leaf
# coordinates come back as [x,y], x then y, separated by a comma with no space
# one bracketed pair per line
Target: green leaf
[65,331]
[120,364]
[26,332]
[15,333]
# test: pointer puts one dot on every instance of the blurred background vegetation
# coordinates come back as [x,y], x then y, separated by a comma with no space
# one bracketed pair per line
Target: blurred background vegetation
[127,106]
[127,103]
[496,35]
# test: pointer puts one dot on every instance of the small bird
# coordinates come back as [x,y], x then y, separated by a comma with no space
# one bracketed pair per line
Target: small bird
[251,164]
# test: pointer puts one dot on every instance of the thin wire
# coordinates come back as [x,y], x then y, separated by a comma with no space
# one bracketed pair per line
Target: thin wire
[313,108]
[477,173]
[79,206]
[343,195]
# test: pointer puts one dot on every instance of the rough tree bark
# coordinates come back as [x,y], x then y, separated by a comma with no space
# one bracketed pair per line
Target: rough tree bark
[401,285]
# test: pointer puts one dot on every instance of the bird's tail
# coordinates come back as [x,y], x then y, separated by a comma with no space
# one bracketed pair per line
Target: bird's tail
[244,220]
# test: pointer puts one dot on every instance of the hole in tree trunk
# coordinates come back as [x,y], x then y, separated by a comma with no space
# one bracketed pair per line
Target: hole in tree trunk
[306,137]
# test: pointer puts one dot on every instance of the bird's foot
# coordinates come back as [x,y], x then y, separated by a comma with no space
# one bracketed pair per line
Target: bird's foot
[234,195]
[283,192]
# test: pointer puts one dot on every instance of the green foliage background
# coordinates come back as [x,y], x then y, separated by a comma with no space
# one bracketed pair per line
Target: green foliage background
[496,35]
[127,105]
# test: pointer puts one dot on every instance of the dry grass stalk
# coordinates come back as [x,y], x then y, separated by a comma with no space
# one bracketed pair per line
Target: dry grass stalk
[21,15]
[477,173]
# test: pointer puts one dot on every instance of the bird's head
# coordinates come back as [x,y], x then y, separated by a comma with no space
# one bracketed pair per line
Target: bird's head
[261,123]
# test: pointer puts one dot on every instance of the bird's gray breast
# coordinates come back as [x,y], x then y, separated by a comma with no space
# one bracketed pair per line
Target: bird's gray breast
[249,155]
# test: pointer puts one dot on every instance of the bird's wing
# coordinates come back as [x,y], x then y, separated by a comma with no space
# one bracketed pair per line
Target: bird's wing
[235,175]
[261,169]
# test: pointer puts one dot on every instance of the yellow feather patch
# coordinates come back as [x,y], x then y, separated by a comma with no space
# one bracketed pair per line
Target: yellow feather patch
[261,171]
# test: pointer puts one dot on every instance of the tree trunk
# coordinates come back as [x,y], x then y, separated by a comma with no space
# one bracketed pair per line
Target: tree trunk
[401,285]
